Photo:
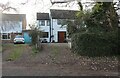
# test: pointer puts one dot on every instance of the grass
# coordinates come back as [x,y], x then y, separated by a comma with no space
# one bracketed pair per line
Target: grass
[0,48]
[14,55]
[55,51]
[7,47]
[16,52]
[34,50]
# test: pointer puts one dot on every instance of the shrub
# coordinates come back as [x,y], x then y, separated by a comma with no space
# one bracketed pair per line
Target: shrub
[92,44]
[34,35]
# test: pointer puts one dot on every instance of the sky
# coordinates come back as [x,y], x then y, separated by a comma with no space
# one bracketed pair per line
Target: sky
[33,6]
[30,8]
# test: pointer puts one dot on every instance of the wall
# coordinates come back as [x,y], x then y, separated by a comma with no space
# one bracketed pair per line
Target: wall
[12,38]
[24,23]
[56,28]
[13,27]
[45,29]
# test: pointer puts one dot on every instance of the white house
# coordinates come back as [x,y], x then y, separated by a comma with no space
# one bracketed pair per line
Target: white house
[43,20]
[10,25]
[51,24]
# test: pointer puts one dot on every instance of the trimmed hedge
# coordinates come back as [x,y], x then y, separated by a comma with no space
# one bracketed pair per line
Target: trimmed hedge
[92,44]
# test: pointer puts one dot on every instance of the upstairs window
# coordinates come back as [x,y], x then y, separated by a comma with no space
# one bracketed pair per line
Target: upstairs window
[6,36]
[59,22]
[48,22]
[42,23]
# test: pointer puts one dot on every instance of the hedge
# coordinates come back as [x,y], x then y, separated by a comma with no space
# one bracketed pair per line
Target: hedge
[92,44]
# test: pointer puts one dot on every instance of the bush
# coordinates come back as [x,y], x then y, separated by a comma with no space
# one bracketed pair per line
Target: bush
[34,35]
[35,39]
[91,44]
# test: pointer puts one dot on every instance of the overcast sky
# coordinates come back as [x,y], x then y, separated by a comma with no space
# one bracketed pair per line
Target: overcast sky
[33,6]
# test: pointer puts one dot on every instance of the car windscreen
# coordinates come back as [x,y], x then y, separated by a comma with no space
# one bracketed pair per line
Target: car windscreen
[19,36]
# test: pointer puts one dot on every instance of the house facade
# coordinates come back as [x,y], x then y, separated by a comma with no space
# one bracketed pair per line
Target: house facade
[43,20]
[56,31]
[11,25]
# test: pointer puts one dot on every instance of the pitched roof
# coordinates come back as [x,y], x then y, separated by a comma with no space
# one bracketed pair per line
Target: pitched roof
[43,16]
[13,17]
[63,14]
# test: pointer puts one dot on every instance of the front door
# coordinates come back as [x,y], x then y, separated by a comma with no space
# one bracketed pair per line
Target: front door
[61,36]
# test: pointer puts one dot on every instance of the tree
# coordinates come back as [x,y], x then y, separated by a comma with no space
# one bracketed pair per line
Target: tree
[6,7]
[101,38]
[35,35]
[104,17]
[78,24]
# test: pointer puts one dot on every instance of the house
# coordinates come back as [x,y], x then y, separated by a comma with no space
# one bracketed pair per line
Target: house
[11,25]
[54,30]
[43,20]
[58,31]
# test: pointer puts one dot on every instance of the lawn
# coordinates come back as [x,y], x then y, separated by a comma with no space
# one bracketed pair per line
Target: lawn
[0,48]
[15,51]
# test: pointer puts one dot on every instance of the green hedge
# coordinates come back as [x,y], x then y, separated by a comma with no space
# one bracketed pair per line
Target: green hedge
[91,44]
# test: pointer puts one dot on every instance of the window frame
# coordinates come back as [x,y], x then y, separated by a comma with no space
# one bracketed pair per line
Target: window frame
[59,21]
[45,34]
[41,24]
[47,24]
[8,36]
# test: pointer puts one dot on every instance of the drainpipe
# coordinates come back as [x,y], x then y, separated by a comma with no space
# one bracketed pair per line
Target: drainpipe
[50,31]
[50,26]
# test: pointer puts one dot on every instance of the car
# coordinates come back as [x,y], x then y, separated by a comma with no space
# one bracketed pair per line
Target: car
[19,39]
[44,41]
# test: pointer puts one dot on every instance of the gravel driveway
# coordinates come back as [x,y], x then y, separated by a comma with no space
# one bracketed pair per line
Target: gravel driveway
[56,59]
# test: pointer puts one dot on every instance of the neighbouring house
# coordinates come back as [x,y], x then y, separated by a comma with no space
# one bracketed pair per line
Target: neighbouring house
[11,25]
[51,24]
[58,31]
[43,20]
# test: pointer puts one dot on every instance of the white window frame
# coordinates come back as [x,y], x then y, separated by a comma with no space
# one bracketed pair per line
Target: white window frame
[59,21]
[47,35]
[7,36]
[47,24]
[40,23]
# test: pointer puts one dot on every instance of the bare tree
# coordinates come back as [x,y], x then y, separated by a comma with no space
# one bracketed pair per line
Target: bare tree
[73,2]
[62,3]
[34,2]
[6,25]
[6,7]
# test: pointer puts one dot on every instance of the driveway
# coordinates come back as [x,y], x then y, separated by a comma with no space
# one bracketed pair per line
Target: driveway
[56,59]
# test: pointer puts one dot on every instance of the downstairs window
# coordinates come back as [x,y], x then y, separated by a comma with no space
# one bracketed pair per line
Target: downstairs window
[6,36]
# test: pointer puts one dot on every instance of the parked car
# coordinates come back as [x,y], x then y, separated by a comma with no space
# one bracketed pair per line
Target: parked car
[44,41]
[19,39]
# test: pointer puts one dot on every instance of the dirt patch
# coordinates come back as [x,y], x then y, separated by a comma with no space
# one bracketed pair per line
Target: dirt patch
[57,60]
